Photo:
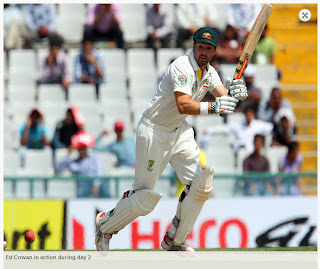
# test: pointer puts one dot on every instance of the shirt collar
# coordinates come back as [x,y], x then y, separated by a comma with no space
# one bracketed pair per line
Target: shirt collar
[194,63]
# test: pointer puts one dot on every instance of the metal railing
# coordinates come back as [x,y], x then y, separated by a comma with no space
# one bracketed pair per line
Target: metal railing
[119,177]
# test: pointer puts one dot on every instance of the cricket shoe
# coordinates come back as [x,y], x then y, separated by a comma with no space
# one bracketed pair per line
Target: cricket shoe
[167,244]
[102,240]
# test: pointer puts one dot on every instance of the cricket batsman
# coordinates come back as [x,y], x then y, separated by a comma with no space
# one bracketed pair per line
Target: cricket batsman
[164,136]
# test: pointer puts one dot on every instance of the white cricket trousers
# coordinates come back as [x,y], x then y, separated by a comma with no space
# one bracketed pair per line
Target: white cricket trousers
[157,145]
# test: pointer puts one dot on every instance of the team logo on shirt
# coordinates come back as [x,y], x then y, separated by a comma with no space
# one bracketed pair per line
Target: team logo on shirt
[207,82]
[150,164]
[182,80]
[194,86]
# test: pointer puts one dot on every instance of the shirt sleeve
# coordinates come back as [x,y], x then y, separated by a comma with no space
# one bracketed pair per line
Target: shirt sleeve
[99,172]
[98,147]
[52,20]
[77,68]
[215,81]
[62,164]
[29,19]
[91,14]
[245,165]
[150,27]
[117,12]
[46,131]
[181,81]
[167,24]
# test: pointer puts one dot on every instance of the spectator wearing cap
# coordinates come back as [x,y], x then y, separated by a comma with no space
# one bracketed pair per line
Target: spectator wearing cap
[34,134]
[87,164]
[159,25]
[124,147]
[55,68]
[254,93]
[103,23]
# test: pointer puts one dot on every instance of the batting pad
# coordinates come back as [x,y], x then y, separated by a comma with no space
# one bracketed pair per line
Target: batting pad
[192,204]
[132,205]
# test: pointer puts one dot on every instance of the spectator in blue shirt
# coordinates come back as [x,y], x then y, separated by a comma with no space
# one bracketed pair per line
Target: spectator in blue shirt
[124,147]
[86,164]
[34,134]
[89,65]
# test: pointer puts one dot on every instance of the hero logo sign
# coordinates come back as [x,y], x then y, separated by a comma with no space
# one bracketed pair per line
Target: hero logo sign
[138,236]
[287,230]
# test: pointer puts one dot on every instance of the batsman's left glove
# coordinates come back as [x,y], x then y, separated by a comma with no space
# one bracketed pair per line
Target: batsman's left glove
[237,88]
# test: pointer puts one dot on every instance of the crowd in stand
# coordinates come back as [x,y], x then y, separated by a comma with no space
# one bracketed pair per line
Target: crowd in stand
[166,27]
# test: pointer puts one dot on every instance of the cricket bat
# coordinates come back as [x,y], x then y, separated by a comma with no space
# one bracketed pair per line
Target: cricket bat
[252,41]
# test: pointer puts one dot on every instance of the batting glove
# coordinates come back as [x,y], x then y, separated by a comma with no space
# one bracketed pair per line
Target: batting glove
[237,88]
[224,105]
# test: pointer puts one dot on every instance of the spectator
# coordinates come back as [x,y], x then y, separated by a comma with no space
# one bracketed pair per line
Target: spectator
[55,67]
[290,163]
[159,25]
[13,25]
[86,164]
[267,109]
[256,162]
[39,22]
[124,147]
[34,134]
[254,93]
[244,131]
[89,65]
[265,49]
[284,127]
[242,18]
[65,129]
[190,17]
[230,48]
[103,23]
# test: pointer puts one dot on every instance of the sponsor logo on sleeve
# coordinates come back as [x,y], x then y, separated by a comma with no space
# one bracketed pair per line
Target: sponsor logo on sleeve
[182,80]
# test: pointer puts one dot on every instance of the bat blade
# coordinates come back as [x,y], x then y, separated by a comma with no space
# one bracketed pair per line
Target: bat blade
[252,40]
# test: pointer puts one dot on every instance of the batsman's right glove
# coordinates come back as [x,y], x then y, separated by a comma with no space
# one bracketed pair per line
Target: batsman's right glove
[224,105]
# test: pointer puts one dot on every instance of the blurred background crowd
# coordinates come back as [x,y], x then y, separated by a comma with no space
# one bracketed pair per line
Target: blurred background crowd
[79,76]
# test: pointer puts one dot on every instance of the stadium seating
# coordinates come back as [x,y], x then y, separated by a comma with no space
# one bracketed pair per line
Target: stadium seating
[140,61]
[134,22]
[81,93]
[165,56]
[71,19]
[113,89]
[51,93]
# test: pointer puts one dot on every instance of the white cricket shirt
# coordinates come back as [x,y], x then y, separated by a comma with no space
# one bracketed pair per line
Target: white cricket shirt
[181,76]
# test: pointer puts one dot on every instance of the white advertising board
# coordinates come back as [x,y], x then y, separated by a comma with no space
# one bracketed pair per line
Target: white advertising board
[232,223]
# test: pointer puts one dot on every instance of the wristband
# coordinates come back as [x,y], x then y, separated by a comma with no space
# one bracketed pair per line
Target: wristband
[213,107]
[204,108]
